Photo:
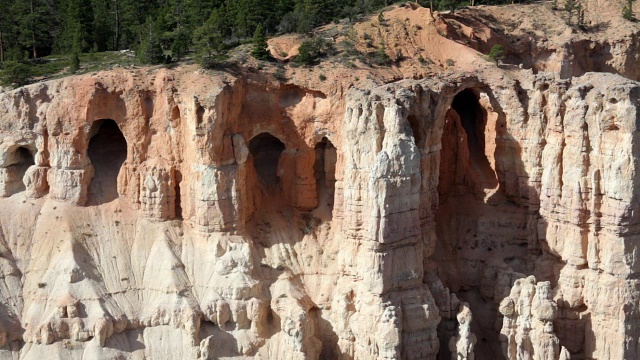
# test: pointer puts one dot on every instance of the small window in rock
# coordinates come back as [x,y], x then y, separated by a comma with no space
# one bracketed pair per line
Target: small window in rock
[22,160]
[266,149]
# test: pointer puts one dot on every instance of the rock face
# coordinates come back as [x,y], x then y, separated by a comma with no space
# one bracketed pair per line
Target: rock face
[463,343]
[180,214]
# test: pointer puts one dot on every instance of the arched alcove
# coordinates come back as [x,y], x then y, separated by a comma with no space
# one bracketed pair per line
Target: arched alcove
[473,119]
[478,228]
[265,150]
[21,160]
[324,170]
[107,152]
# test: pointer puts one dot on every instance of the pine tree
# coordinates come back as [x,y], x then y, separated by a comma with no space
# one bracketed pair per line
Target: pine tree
[307,14]
[381,57]
[103,25]
[7,18]
[78,22]
[75,52]
[150,50]
[175,28]
[260,45]
[208,41]
[32,22]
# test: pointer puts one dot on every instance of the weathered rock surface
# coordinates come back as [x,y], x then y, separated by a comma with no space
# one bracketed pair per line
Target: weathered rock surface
[169,214]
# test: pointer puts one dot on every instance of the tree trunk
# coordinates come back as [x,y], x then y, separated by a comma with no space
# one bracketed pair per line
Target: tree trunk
[33,34]
[116,45]
[35,50]
[1,47]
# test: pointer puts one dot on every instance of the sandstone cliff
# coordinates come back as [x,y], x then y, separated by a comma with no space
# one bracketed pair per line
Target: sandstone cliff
[168,214]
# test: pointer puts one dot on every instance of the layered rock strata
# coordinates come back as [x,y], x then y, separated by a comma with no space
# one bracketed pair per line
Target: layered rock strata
[180,214]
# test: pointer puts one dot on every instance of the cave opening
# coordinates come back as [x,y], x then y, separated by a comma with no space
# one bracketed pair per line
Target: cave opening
[479,231]
[473,119]
[107,152]
[324,169]
[21,162]
[265,150]
[23,157]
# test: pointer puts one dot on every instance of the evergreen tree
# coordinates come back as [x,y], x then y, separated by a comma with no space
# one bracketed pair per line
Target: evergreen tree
[307,14]
[103,25]
[150,50]
[6,27]
[75,52]
[33,23]
[208,41]
[38,27]
[175,28]
[78,22]
[260,45]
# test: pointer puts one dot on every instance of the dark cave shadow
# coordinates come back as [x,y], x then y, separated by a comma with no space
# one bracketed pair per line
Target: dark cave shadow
[107,152]
[513,191]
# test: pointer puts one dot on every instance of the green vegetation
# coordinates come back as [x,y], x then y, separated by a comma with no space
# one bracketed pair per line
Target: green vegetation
[311,50]
[497,53]
[75,62]
[161,31]
[43,27]
[380,57]
[208,42]
[55,66]
[442,5]
[627,10]
[15,73]
[260,51]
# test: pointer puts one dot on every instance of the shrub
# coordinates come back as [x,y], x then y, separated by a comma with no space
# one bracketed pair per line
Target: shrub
[280,75]
[15,73]
[497,53]
[311,50]
[381,19]
[627,10]
[322,77]
[380,57]
[450,62]
[309,223]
